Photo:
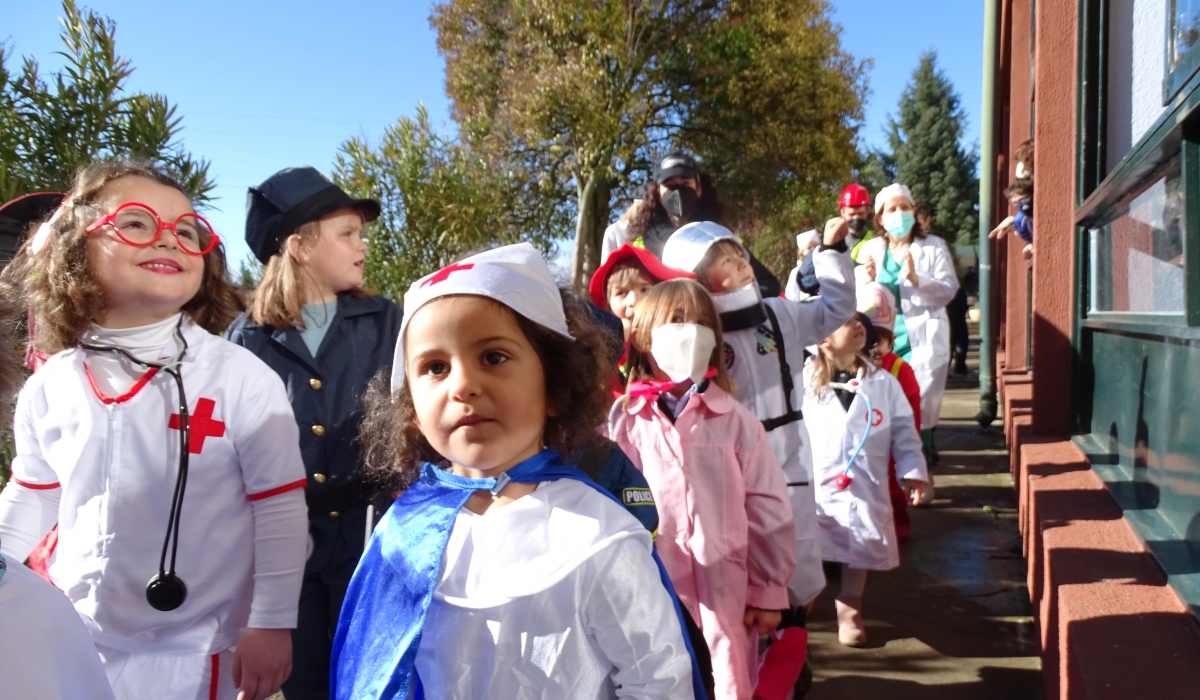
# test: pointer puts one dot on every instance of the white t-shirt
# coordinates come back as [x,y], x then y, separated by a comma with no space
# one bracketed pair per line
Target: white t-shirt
[555,595]
[115,460]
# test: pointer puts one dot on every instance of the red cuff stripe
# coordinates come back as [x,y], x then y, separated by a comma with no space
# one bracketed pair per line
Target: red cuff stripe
[278,490]
[36,487]
[215,678]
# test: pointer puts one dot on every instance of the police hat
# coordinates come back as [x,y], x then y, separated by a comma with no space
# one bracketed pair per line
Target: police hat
[287,200]
[677,164]
[18,214]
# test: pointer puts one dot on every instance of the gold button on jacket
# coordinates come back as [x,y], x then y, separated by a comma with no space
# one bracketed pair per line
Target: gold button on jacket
[318,430]
[319,478]
[315,383]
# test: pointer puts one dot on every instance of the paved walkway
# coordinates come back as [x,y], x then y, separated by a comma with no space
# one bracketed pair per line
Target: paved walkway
[953,622]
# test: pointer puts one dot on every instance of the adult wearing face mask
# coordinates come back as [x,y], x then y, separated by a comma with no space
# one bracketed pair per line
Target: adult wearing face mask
[680,194]
[919,271]
[854,206]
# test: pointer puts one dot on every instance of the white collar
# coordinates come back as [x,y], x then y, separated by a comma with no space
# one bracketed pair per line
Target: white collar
[530,544]
[143,342]
[737,299]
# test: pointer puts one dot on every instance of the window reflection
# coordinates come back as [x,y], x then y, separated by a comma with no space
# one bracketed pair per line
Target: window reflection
[1137,262]
[1185,28]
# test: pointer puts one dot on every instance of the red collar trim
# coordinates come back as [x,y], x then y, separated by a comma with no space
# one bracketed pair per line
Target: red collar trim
[133,390]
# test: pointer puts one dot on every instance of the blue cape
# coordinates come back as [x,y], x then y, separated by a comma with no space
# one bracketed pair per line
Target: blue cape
[383,615]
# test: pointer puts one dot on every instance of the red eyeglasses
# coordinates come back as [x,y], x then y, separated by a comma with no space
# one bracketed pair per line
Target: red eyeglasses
[138,225]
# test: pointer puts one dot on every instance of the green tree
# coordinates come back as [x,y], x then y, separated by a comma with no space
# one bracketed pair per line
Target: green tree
[440,199]
[926,142]
[52,126]
[760,89]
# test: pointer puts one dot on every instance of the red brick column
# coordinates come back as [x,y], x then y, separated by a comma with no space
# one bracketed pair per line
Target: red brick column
[1016,268]
[1053,214]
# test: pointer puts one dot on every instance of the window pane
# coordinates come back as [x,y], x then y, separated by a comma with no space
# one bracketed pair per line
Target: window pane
[1185,28]
[1137,258]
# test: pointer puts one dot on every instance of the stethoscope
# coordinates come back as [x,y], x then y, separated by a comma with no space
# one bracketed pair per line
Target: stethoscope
[166,591]
[854,386]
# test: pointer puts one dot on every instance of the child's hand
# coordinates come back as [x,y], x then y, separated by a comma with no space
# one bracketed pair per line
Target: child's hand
[262,662]
[916,491]
[1003,229]
[835,230]
[765,620]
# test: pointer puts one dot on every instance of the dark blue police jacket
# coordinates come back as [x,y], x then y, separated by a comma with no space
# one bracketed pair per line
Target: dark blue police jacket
[326,391]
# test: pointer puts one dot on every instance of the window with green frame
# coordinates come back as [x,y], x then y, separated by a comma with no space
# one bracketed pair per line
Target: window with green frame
[1136,256]
[1184,35]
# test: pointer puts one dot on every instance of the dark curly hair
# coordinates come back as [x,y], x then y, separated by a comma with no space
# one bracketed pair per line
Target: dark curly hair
[57,282]
[709,208]
[393,447]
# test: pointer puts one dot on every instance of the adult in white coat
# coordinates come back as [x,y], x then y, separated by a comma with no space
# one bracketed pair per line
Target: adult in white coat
[846,392]
[919,271]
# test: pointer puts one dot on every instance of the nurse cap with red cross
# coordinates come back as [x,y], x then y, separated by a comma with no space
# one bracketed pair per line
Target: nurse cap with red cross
[514,275]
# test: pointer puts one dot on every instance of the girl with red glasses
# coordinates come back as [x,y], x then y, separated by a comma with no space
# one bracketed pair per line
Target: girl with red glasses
[146,428]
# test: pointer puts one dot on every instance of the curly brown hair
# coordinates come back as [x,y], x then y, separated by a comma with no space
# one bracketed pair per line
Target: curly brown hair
[11,349]
[709,208]
[393,447]
[56,282]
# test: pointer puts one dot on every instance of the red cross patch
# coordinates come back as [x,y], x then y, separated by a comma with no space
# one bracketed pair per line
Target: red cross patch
[444,273]
[200,424]
[877,417]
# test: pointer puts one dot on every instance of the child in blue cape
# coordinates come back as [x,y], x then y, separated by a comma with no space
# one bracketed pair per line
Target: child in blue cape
[501,572]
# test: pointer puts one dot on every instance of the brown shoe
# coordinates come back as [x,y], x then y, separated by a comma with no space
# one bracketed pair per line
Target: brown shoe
[850,624]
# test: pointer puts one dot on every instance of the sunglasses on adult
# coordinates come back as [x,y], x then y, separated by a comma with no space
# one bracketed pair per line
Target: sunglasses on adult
[139,225]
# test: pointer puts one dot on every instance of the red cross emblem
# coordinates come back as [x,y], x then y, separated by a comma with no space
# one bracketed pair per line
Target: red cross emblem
[442,274]
[200,424]
[877,417]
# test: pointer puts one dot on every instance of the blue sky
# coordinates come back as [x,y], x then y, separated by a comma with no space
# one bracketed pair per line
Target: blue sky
[277,84]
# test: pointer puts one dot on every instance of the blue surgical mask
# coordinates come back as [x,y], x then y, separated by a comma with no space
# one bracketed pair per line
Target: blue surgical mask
[899,223]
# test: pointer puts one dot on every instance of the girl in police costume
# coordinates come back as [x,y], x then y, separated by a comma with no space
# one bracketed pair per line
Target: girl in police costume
[764,353]
[325,336]
[725,527]
[166,454]
[859,416]
[500,572]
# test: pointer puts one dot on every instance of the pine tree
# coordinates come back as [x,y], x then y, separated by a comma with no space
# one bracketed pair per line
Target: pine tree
[929,157]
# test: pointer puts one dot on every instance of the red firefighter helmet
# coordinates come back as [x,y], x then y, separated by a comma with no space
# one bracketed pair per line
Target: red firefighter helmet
[854,196]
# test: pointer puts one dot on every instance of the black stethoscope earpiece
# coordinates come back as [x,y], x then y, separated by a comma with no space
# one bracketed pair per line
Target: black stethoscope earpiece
[166,591]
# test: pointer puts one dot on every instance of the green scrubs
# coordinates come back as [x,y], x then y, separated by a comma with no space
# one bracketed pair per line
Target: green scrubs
[889,277]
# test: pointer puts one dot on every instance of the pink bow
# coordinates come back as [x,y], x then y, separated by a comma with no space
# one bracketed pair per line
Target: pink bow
[640,388]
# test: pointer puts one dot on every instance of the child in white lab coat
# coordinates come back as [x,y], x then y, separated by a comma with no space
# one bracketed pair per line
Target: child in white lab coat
[857,416]
[128,285]
[501,572]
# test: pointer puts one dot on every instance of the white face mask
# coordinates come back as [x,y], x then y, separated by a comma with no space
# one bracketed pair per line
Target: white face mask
[683,350]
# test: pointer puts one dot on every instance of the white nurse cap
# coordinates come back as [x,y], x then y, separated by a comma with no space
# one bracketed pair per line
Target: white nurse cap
[514,275]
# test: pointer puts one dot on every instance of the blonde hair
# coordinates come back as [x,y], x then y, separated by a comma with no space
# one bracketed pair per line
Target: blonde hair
[279,298]
[657,308]
[822,374]
[57,284]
